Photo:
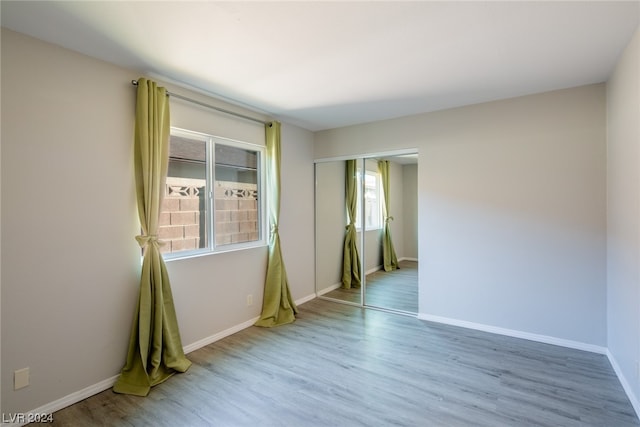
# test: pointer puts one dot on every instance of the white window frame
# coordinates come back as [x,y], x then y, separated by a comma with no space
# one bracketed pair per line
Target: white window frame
[210,221]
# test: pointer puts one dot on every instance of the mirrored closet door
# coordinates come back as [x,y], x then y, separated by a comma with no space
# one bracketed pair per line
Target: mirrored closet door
[336,229]
[366,231]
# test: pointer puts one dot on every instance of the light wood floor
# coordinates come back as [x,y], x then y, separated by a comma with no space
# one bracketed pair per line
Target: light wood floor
[340,365]
[395,290]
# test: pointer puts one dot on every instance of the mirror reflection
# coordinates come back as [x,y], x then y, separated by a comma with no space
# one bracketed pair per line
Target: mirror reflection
[366,232]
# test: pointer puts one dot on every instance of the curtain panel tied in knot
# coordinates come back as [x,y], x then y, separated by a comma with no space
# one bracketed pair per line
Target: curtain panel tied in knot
[278,307]
[389,259]
[350,257]
[145,240]
[155,348]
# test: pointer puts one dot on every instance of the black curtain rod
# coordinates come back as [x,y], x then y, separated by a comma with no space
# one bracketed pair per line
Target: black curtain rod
[202,104]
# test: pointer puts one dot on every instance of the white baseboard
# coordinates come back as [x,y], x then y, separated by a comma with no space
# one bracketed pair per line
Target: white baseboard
[103,385]
[635,402]
[70,399]
[232,330]
[106,384]
[327,290]
[373,270]
[408,259]
[308,298]
[625,384]
[216,337]
[516,334]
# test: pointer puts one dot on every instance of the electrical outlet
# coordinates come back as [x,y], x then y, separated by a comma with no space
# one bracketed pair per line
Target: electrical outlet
[20,378]
[249,300]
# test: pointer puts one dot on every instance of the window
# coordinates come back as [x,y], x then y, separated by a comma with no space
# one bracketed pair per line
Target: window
[213,196]
[372,206]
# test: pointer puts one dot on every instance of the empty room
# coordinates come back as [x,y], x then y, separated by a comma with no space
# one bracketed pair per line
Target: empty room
[319,213]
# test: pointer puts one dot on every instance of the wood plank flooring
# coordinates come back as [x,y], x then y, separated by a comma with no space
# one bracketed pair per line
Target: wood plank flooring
[340,365]
[395,290]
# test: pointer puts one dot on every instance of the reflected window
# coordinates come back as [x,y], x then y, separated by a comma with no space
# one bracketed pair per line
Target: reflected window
[372,206]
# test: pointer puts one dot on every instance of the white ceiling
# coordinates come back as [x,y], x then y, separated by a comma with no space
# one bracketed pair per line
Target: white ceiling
[328,64]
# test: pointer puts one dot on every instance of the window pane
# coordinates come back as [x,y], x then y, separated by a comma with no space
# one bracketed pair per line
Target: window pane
[183,212]
[371,201]
[372,206]
[236,195]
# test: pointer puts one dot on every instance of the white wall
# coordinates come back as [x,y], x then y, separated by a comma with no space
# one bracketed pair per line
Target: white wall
[397,208]
[623,218]
[297,210]
[69,266]
[70,263]
[330,223]
[511,209]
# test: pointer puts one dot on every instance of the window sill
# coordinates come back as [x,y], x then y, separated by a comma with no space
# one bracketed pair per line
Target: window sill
[358,230]
[190,255]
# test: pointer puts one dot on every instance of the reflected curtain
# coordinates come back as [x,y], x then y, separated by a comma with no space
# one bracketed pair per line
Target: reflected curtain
[390,261]
[278,307]
[350,257]
[155,348]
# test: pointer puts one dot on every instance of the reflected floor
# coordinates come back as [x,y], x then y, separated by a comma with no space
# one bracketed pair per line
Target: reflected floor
[397,290]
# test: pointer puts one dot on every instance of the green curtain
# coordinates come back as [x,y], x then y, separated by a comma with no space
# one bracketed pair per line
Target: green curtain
[389,259]
[278,307]
[350,257]
[155,349]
